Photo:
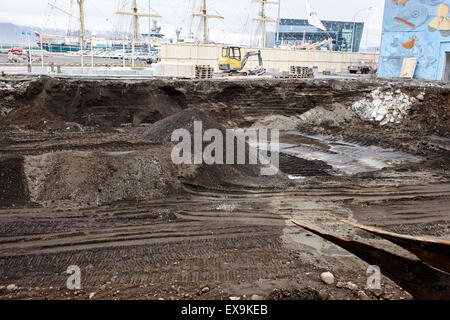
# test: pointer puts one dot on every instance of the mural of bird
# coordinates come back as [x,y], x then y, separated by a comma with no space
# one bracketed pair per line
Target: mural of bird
[410,44]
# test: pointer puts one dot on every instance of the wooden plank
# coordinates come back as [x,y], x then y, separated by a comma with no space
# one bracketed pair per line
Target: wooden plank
[408,68]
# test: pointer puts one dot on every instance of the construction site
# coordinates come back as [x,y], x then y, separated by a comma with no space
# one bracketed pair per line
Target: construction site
[358,209]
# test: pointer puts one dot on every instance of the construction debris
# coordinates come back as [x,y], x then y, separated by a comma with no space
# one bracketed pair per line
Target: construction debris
[384,106]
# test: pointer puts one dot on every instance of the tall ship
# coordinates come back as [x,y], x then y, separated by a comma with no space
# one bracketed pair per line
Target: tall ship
[76,40]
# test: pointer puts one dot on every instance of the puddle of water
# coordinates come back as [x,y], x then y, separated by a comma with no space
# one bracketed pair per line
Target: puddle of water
[344,157]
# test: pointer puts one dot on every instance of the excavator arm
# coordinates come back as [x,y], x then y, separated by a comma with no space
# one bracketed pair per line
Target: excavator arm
[318,44]
[251,54]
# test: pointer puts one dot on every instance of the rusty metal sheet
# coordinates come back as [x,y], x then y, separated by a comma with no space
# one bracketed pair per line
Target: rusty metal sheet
[416,277]
[436,253]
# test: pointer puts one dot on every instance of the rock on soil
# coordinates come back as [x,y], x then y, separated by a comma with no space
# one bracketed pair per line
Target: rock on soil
[11,287]
[327,277]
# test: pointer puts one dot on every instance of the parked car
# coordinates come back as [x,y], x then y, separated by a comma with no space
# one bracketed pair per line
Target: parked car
[116,54]
[152,60]
[362,67]
[16,50]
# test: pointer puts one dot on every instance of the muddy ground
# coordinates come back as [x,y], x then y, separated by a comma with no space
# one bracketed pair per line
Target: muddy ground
[86,179]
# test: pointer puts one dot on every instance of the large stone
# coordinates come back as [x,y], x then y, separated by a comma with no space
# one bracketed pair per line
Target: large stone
[327,277]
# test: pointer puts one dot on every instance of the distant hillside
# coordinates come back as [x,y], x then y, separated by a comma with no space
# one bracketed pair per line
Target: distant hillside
[12,34]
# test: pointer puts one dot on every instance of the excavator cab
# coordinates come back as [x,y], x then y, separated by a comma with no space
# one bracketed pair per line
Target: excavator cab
[231,60]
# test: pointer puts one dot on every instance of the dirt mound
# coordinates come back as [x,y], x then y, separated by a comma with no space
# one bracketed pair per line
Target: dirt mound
[211,176]
[95,178]
[161,131]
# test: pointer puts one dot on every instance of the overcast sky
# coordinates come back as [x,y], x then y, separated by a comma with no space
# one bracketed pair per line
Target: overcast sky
[236,27]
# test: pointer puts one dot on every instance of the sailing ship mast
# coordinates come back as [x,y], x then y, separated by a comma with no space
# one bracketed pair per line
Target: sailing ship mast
[80,18]
[82,24]
[263,19]
[136,16]
[205,16]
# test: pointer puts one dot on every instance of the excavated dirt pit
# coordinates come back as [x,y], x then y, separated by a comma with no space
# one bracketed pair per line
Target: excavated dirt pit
[86,179]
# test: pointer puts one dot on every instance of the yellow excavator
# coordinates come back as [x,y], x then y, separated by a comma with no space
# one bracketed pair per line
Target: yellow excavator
[232,61]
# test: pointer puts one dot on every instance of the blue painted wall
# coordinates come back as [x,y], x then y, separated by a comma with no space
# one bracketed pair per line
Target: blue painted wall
[398,39]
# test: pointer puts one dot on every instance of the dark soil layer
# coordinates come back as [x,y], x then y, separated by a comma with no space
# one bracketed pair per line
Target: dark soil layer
[302,167]
[13,188]
[105,104]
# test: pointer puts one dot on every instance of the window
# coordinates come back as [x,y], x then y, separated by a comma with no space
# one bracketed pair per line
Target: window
[224,52]
[447,67]
[236,53]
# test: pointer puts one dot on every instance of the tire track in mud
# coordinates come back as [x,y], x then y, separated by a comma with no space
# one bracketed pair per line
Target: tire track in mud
[26,144]
[105,225]
[191,260]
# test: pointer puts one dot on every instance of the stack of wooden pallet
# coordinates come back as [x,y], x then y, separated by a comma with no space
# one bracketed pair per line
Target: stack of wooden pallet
[301,72]
[204,72]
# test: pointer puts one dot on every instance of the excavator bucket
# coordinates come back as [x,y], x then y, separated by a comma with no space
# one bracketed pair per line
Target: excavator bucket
[418,278]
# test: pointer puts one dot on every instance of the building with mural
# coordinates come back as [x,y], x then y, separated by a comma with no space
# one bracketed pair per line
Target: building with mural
[416,29]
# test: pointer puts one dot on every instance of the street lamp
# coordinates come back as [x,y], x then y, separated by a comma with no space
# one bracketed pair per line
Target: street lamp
[370,8]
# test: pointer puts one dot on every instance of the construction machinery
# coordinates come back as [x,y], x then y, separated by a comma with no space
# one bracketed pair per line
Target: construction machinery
[317,45]
[232,61]
[362,67]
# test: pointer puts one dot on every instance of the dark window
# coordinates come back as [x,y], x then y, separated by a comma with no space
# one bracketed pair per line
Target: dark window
[236,54]
[447,67]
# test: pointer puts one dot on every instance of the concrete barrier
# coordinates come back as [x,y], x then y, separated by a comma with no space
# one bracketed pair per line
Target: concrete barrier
[77,71]
[280,59]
